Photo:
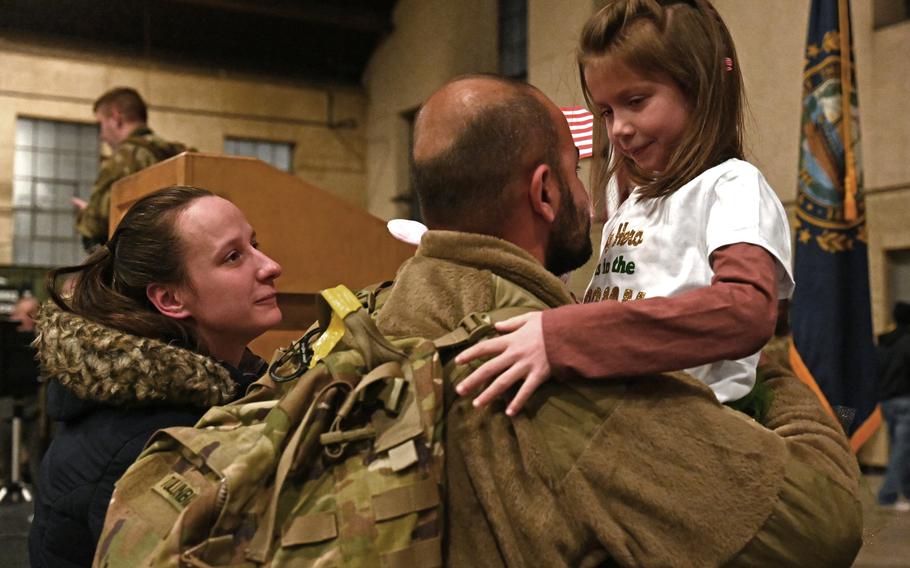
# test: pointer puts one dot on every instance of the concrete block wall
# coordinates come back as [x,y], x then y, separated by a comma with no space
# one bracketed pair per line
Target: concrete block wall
[195,106]
[433,41]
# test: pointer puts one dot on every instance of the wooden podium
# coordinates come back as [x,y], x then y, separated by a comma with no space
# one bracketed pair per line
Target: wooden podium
[320,240]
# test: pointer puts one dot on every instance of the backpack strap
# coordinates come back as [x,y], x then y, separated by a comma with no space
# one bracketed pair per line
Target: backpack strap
[310,426]
[476,325]
[374,296]
[349,319]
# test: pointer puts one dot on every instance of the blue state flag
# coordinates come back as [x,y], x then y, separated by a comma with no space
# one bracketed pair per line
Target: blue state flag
[831,319]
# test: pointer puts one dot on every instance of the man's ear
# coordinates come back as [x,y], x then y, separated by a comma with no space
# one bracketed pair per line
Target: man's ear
[167,300]
[544,194]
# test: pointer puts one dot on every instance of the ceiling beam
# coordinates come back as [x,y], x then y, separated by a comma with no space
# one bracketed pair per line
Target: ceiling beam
[349,18]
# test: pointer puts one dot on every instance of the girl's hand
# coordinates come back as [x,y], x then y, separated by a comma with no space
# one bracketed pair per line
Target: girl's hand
[517,356]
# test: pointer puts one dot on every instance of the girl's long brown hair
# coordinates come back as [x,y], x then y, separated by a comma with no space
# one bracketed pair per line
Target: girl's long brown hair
[687,42]
[110,286]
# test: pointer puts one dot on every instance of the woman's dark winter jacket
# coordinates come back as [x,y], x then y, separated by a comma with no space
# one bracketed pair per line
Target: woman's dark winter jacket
[110,391]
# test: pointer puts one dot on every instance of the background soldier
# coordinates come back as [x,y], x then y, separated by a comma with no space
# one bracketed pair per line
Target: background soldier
[122,116]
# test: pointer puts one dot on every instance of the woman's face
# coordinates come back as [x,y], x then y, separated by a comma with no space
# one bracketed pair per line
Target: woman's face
[230,294]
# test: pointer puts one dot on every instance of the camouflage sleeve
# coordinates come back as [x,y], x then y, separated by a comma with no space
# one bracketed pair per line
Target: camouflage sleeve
[92,222]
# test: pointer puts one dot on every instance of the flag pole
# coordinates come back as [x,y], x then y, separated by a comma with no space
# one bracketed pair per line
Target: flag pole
[846,73]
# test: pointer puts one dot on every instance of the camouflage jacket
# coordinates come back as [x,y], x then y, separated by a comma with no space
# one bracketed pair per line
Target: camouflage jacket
[644,471]
[140,150]
[110,391]
[341,465]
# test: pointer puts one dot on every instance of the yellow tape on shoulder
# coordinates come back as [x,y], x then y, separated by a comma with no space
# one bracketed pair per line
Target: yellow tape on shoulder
[343,302]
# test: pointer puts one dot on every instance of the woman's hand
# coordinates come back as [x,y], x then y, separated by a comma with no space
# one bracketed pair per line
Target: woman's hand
[517,356]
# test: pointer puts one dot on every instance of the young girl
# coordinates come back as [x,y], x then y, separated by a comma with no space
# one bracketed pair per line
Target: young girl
[697,254]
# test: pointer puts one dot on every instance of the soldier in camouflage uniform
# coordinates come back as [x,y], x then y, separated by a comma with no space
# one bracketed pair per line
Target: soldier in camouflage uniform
[122,116]
[642,471]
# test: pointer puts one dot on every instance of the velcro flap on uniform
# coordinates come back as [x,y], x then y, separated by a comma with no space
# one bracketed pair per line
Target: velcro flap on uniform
[217,551]
[408,499]
[176,490]
[403,456]
[308,529]
[392,431]
[424,553]
[391,394]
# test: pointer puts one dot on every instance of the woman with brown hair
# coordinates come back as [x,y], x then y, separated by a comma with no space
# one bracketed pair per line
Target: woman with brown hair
[153,334]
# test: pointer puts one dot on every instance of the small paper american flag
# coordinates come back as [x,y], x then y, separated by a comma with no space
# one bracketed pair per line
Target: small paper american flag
[581,123]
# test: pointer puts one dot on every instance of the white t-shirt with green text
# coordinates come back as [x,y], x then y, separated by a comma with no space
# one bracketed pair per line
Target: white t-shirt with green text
[661,247]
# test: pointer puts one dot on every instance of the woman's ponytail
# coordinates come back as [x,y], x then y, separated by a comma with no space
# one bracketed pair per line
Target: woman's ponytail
[110,286]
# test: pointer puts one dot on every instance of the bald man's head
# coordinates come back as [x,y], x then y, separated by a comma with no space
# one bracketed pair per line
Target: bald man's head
[472,139]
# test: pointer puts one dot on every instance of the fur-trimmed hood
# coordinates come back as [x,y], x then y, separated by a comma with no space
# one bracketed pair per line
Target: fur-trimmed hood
[102,365]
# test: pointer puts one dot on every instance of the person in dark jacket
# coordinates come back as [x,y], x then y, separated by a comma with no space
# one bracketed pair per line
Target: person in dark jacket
[153,333]
[894,393]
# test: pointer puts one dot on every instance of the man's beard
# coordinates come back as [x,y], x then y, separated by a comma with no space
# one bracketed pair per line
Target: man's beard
[570,240]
